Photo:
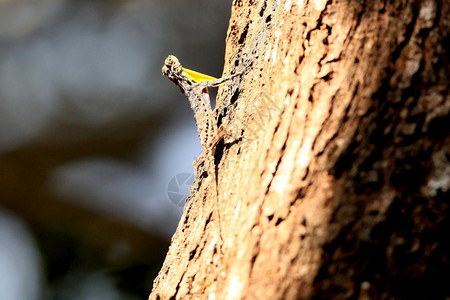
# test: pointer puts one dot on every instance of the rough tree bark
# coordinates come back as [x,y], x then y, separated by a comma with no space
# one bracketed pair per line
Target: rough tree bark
[339,187]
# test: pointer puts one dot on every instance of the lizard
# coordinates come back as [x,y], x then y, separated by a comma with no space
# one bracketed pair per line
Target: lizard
[209,134]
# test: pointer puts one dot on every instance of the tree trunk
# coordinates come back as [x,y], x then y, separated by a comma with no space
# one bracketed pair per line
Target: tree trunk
[336,184]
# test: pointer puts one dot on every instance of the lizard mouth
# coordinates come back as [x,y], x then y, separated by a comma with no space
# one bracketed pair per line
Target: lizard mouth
[165,70]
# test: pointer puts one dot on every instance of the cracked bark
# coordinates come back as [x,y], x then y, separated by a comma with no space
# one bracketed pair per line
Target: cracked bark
[339,186]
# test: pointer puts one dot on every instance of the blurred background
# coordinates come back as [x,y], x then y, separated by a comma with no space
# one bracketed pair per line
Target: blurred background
[96,147]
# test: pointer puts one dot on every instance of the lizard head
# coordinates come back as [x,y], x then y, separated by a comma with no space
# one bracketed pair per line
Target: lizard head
[171,66]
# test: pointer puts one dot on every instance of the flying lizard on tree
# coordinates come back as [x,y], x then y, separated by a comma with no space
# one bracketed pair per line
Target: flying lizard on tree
[195,86]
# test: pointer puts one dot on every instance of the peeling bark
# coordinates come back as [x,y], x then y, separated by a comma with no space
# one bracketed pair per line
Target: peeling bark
[339,185]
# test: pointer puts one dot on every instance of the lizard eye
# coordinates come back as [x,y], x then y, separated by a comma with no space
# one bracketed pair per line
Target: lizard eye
[168,60]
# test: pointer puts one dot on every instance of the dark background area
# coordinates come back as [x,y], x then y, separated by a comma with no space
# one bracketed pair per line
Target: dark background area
[91,135]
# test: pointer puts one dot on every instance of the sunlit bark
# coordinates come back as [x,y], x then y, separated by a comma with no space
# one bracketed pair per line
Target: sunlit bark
[338,186]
